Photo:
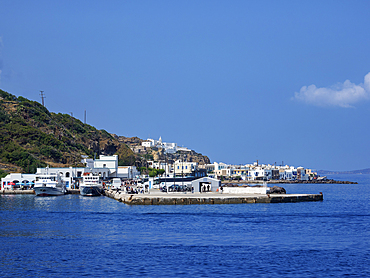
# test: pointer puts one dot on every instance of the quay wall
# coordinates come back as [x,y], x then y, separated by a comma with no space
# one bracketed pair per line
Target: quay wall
[246,190]
[14,192]
[286,182]
[196,199]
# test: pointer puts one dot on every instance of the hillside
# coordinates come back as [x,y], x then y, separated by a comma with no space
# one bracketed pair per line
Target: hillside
[157,154]
[31,137]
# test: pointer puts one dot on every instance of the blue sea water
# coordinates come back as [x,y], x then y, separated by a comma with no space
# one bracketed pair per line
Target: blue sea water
[74,236]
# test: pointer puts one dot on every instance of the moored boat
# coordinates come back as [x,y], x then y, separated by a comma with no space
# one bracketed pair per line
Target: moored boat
[91,185]
[49,185]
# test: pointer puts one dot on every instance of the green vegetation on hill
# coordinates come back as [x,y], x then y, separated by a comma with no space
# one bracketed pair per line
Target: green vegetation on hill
[31,137]
[152,172]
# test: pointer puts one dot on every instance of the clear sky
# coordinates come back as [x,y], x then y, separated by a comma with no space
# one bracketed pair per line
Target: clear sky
[277,81]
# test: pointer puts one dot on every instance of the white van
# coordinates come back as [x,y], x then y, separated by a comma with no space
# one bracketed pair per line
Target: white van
[116,183]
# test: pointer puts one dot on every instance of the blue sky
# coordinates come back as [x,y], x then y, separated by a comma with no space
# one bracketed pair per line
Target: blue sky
[277,81]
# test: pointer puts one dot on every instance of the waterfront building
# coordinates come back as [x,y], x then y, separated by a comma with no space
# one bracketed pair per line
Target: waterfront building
[73,175]
[188,169]
[239,172]
[108,161]
[303,174]
[210,168]
[288,173]
[106,167]
[17,180]
[205,184]
[258,171]
[225,172]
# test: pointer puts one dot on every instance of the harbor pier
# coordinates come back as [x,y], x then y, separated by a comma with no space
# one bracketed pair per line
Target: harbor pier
[178,198]
[31,191]
[14,192]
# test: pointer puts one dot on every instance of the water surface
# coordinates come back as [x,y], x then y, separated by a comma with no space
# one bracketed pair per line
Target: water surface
[74,236]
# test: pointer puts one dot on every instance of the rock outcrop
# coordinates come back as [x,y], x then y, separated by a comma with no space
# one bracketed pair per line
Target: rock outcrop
[277,190]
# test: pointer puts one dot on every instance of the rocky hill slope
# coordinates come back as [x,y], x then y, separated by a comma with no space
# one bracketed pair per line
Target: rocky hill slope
[157,154]
[31,137]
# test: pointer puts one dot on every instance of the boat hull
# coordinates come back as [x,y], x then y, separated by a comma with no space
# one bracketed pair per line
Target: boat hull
[91,191]
[49,191]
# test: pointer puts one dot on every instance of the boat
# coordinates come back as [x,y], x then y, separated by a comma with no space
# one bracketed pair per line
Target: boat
[91,185]
[49,185]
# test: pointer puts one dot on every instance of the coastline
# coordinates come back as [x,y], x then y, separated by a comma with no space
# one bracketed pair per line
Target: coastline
[287,182]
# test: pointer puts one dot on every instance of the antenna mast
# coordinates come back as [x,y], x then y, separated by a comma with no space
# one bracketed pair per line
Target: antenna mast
[42,97]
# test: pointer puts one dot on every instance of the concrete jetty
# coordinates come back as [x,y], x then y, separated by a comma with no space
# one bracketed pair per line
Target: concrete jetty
[176,198]
[14,192]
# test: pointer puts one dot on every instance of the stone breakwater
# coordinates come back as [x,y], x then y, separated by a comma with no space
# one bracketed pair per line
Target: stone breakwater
[159,198]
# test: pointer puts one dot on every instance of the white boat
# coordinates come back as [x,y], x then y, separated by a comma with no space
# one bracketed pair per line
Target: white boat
[91,185]
[49,185]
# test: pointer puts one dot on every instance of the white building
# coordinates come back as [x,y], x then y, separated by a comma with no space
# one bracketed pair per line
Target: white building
[147,144]
[89,162]
[303,174]
[70,174]
[127,172]
[256,173]
[205,184]
[110,162]
[168,147]
[184,168]
[288,174]
[161,165]
[16,180]
[226,172]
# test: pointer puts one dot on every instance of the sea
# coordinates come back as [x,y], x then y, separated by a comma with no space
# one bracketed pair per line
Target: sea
[76,236]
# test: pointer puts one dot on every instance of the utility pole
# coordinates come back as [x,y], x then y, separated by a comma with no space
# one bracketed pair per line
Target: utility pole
[72,120]
[85,117]
[42,97]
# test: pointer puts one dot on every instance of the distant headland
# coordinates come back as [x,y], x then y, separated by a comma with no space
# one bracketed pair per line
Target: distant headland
[326,172]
